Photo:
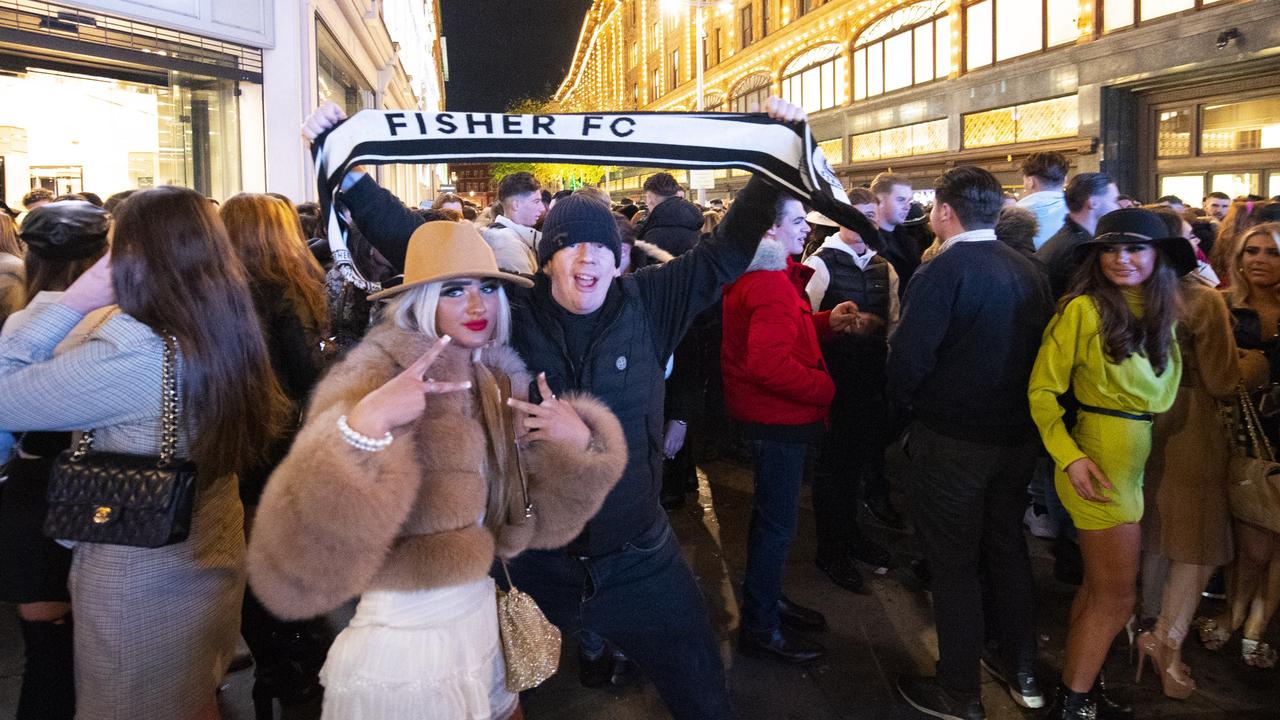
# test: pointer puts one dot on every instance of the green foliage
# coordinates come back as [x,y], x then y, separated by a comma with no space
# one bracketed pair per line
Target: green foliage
[553,176]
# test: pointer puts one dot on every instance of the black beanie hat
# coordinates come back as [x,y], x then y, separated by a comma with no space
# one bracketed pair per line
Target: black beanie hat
[66,230]
[578,219]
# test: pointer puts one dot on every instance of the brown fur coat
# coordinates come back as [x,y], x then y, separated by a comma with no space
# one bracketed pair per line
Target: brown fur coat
[335,521]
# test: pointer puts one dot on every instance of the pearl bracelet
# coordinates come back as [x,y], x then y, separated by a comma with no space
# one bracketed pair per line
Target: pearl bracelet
[363,442]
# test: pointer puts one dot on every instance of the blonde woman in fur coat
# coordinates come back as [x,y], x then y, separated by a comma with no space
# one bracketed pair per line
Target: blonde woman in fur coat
[394,492]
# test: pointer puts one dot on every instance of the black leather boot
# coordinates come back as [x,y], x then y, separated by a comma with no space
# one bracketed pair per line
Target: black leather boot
[1110,707]
[1069,705]
[48,681]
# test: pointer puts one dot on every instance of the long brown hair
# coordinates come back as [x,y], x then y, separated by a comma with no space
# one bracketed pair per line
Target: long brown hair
[173,269]
[9,241]
[1123,333]
[267,235]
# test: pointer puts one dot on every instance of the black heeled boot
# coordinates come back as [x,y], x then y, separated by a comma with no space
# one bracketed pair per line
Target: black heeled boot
[1070,705]
[1109,706]
[287,657]
[48,680]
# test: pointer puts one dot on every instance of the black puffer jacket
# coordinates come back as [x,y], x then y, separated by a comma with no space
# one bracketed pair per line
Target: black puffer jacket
[673,225]
[644,316]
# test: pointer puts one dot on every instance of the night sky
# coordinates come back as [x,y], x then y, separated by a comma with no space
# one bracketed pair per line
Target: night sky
[506,50]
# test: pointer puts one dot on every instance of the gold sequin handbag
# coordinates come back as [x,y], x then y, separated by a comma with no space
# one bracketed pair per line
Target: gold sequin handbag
[1254,476]
[530,643]
[121,499]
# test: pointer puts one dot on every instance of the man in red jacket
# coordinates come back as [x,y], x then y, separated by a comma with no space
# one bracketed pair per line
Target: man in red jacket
[777,386]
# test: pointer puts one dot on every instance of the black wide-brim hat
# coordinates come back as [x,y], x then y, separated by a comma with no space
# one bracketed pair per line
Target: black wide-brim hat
[1136,225]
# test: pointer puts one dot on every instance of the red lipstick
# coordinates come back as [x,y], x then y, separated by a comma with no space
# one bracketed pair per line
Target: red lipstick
[476,325]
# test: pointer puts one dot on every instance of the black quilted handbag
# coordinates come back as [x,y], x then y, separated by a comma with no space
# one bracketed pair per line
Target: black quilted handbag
[121,499]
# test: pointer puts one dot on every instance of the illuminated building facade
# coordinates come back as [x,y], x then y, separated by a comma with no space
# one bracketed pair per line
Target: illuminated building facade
[1168,96]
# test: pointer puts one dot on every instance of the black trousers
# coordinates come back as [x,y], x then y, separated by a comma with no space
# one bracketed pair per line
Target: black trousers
[967,501]
[850,464]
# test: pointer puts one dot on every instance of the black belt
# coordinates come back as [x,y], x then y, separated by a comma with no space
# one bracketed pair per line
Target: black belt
[1141,417]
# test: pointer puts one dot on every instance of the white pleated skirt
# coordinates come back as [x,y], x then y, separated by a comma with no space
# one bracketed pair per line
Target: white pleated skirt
[420,655]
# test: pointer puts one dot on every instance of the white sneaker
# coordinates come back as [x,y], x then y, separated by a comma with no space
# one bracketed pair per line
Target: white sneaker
[1042,526]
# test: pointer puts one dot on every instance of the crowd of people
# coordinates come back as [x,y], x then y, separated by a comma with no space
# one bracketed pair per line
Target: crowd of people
[537,380]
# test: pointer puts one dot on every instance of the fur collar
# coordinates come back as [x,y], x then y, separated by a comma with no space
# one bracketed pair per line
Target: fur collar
[655,253]
[770,255]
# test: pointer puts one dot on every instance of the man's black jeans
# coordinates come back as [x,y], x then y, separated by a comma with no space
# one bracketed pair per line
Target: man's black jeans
[643,599]
[967,501]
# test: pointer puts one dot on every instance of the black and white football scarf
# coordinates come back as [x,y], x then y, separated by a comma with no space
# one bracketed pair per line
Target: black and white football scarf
[783,153]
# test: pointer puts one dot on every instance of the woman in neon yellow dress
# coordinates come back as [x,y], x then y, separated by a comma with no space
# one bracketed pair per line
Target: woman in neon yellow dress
[1112,344]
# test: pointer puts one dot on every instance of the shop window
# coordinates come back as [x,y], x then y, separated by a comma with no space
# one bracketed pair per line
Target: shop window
[1273,183]
[1234,184]
[1173,132]
[1116,14]
[816,79]
[907,47]
[180,129]
[1188,187]
[918,139]
[833,151]
[337,78]
[1042,120]
[1249,125]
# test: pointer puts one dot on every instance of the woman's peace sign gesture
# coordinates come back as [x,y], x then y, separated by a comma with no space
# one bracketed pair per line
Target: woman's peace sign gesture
[403,398]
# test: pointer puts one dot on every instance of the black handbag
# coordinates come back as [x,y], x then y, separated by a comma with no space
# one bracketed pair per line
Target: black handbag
[123,499]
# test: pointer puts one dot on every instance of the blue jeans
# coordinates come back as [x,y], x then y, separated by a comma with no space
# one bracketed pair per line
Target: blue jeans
[779,470]
[644,600]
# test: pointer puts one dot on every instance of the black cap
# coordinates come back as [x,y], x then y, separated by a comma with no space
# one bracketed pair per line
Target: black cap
[66,230]
[1136,225]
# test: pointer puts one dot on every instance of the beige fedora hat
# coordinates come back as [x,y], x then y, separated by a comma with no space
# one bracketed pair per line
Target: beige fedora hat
[443,250]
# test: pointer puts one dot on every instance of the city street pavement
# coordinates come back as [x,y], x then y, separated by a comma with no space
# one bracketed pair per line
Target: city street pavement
[871,639]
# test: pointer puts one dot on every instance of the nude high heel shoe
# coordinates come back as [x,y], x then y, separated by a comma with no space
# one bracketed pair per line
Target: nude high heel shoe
[1175,682]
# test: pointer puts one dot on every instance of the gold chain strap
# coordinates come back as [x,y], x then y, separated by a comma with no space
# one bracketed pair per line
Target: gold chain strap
[1261,445]
[168,409]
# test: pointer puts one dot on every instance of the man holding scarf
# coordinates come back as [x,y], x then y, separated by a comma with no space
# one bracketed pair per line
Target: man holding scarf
[589,329]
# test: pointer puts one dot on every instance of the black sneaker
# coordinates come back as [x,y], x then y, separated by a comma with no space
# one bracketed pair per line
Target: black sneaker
[842,570]
[927,696]
[884,513]
[868,551]
[1024,689]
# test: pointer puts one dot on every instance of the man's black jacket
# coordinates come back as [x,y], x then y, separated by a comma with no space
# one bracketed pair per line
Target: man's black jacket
[644,316]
